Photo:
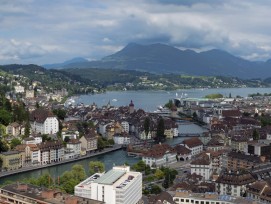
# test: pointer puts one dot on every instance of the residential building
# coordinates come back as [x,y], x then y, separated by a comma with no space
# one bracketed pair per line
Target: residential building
[258,147]
[122,138]
[237,161]
[19,89]
[194,144]
[13,129]
[159,155]
[164,197]
[238,143]
[202,166]
[117,186]
[12,160]
[183,153]
[125,126]
[259,191]
[29,94]
[44,122]
[32,154]
[89,141]
[186,197]
[26,193]
[73,149]
[233,183]
[70,134]
[51,151]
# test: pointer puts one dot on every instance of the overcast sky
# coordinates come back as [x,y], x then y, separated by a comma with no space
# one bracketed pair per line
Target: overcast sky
[37,31]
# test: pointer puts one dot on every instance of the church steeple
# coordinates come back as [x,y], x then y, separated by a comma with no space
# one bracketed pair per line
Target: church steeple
[131,107]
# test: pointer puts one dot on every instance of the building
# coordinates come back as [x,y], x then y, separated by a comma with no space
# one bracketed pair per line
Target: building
[12,160]
[89,142]
[19,89]
[260,191]
[259,148]
[164,197]
[32,154]
[44,122]
[29,94]
[122,138]
[202,166]
[238,143]
[13,129]
[183,153]
[194,144]
[159,155]
[237,161]
[186,197]
[27,193]
[233,183]
[73,149]
[51,151]
[117,186]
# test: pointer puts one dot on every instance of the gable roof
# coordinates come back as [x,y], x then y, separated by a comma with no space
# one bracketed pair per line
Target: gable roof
[40,115]
[193,142]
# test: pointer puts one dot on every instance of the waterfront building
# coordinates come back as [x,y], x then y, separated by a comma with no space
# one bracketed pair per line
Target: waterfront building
[183,153]
[27,193]
[70,134]
[73,149]
[51,151]
[233,183]
[118,185]
[12,160]
[186,197]
[89,141]
[44,122]
[122,138]
[32,154]
[159,155]
[194,144]
[202,166]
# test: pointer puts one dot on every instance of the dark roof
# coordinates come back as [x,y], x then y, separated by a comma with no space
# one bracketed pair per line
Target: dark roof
[163,196]
[235,178]
[193,142]
[40,115]
[182,149]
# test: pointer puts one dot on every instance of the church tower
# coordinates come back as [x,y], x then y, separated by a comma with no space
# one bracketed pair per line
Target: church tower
[131,107]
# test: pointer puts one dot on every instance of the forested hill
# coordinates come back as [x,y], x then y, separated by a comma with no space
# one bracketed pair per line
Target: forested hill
[160,58]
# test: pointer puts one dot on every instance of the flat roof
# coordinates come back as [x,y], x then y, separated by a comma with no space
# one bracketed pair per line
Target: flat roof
[110,177]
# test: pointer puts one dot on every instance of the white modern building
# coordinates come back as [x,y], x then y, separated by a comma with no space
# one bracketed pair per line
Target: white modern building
[117,186]
[122,139]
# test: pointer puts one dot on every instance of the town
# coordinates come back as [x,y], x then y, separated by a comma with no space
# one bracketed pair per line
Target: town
[227,163]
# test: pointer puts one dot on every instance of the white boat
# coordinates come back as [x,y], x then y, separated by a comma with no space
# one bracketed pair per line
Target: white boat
[114,100]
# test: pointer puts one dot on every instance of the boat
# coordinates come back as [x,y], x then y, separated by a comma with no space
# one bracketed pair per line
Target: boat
[114,100]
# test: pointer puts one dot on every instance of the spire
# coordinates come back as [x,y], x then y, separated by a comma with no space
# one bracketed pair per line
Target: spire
[131,104]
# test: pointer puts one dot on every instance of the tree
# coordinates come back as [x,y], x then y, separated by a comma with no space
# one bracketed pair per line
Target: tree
[111,142]
[14,142]
[3,146]
[5,117]
[78,172]
[169,104]
[66,139]
[139,166]
[147,125]
[1,163]
[96,166]
[160,134]
[100,144]
[195,116]
[27,129]
[159,174]
[255,135]
[60,113]
[155,189]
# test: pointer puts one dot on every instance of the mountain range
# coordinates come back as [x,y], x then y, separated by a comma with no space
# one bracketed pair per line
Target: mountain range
[161,59]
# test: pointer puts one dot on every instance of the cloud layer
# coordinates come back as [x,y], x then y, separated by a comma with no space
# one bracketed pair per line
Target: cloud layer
[41,32]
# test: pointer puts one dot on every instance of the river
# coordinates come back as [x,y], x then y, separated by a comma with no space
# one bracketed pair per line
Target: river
[147,100]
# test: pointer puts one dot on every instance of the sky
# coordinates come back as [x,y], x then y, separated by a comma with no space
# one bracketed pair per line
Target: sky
[42,32]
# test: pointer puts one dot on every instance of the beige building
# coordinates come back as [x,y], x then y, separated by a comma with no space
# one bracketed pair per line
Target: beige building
[89,142]
[12,160]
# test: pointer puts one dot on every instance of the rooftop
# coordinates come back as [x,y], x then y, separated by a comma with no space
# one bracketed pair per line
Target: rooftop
[110,177]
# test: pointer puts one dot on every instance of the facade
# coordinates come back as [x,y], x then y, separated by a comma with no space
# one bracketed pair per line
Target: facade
[44,122]
[125,126]
[27,193]
[159,155]
[259,148]
[202,166]
[237,161]
[29,94]
[239,143]
[13,129]
[117,186]
[51,151]
[32,154]
[233,183]
[195,145]
[259,191]
[183,153]
[186,197]
[12,160]
[19,89]
[89,142]
[73,149]
[122,139]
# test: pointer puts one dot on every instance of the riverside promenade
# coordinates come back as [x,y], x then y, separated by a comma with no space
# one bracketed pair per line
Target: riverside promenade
[33,168]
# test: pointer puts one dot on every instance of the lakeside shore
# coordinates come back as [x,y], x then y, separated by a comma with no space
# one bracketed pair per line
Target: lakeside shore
[33,168]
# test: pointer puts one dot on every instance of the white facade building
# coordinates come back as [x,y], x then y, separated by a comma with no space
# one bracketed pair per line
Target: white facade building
[125,126]
[117,186]
[195,145]
[202,166]
[19,89]
[122,139]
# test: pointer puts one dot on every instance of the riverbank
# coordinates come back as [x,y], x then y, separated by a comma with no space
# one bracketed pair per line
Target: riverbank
[33,168]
